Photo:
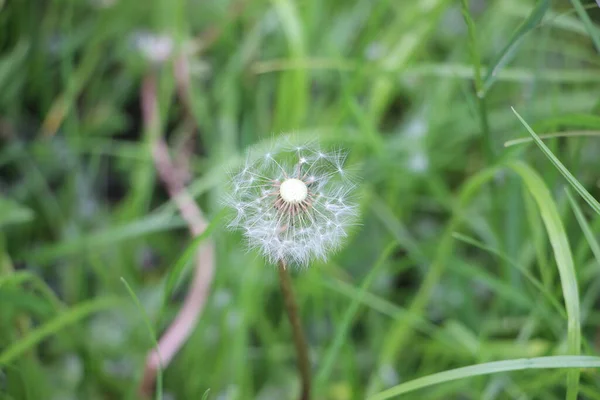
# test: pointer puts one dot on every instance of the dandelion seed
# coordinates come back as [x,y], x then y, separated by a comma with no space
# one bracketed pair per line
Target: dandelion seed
[293,204]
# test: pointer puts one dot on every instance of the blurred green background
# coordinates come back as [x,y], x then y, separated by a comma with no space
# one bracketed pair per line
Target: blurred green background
[452,264]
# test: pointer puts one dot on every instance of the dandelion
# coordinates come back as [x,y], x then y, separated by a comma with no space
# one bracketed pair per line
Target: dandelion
[294,203]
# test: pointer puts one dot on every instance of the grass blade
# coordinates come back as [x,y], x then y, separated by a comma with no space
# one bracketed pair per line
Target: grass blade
[181,266]
[292,99]
[507,54]
[495,367]
[13,213]
[534,281]
[342,330]
[488,148]
[21,277]
[399,332]
[587,22]
[523,140]
[561,168]
[159,385]
[585,227]
[106,237]
[69,317]
[564,262]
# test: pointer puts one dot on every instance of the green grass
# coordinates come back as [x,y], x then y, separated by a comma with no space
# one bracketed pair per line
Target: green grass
[474,272]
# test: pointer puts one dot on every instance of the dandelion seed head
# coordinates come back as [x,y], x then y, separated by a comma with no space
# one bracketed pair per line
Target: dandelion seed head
[293,203]
[293,191]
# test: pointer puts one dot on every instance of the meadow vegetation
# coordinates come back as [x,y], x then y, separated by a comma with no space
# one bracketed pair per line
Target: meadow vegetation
[472,125]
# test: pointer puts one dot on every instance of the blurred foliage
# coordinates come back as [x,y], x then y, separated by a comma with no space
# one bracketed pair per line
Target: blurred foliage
[419,92]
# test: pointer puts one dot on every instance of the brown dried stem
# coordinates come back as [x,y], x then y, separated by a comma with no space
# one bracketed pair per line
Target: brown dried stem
[299,340]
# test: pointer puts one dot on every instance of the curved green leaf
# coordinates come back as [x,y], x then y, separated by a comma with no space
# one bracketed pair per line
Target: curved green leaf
[561,168]
[495,367]
[50,328]
[564,262]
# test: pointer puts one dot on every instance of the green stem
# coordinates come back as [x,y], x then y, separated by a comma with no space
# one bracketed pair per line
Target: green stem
[488,147]
[299,340]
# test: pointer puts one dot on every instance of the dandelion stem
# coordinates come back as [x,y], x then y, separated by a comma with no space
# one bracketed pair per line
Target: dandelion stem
[299,340]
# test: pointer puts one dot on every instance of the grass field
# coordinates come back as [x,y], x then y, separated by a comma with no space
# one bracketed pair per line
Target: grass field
[474,272]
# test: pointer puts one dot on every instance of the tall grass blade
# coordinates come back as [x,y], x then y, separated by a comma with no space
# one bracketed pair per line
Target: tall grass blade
[561,168]
[73,315]
[515,41]
[564,261]
[159,374]
[553,362]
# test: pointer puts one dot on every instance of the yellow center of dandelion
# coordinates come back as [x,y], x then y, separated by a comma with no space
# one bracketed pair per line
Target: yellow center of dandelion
[293,191]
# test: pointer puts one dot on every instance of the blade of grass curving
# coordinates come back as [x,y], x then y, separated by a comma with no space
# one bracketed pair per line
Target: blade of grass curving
[342,330]
[500,288]
[381,305]
[399,332]
[152,335]
[422,70]
[575,120]
[109,236]
[540,241]
[523,140]
[398,230]
[592,391]
[587,22]
[13,213]
[384,307]
[29,304]
[509,51]
[564,261]
[534,281]
[561,168]
[11,63]
[21,277]
[552,362]
[50,328]
[585,227]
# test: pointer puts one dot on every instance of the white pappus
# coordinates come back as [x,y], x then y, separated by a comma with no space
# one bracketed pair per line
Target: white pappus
[293,203]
